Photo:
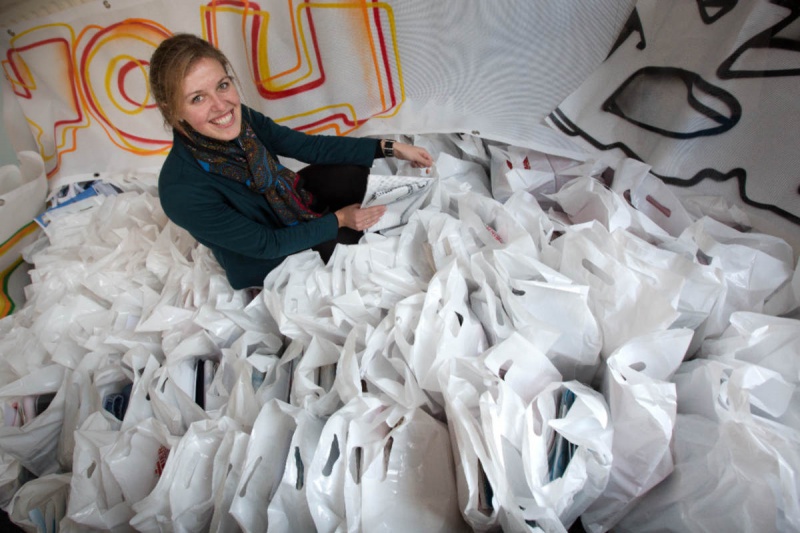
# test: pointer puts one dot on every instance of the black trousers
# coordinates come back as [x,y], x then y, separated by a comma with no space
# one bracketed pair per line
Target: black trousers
[334,187]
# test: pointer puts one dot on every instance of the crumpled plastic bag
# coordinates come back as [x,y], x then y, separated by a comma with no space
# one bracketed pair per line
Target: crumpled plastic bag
[35,442]
[457,175]
[96,500]
[172,396]
[225,477]
[378,465]
[97,376]
[650,196]
[405,473]
[643,405]
[719,441]
[521,169]
[10,478]
[587,200]
[314,375]
[183,498]
[753,266]
[773,344]
[40,504]
[627,302]
[493,226]
[263,468]
[288,508]
[383,366]
[521,294]
[505,414]
[137,457]
[292,298]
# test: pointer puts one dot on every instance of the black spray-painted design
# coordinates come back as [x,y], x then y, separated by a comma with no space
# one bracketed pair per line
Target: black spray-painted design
[713,10]
[655,98]
[662,99]
[775,51]
[633,25]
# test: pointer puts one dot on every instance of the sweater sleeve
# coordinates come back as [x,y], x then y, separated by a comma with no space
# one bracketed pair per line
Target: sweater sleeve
[214,222]
[317,149]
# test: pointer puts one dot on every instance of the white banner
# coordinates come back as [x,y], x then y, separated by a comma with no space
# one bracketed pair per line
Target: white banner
[346,68]
[706,93]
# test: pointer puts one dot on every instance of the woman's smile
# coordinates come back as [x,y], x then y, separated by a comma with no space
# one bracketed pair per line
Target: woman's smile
[211,103]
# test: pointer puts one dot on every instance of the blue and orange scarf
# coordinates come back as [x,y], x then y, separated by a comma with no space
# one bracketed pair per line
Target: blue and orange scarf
[246,160]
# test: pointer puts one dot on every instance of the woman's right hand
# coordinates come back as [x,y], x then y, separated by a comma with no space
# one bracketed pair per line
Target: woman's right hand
[353,216]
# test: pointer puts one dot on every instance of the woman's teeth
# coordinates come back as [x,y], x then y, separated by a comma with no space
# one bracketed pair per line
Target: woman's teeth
[224,121]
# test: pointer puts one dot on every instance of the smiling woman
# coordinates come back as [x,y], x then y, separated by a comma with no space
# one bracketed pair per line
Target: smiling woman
[222,180]
[211,103]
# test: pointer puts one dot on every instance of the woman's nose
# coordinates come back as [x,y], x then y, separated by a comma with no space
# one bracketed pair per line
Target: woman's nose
[217,102]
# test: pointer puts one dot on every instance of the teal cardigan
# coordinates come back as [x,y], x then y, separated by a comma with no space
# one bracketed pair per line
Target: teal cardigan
[238,224]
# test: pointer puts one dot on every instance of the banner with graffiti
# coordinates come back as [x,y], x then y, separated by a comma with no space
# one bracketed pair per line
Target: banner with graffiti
[702,90]
[357,67]
[707,93]
[346,68]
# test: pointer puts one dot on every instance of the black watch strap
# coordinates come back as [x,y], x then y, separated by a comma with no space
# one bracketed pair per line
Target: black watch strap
[388,148]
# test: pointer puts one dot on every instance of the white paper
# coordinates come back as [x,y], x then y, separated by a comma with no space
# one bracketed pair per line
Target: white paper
[402,195]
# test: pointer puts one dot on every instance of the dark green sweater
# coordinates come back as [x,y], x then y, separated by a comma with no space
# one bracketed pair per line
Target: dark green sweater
[237,224]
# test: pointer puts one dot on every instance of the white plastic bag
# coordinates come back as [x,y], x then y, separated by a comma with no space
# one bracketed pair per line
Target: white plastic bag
[172,396]
[87,386]
[492,225]
[521,169]
[96,499]
[40,504]
[384,367]
[314,375]
[264,463]
[445,328]
[225,477]
[719,443]
[325,478]
[406,477]
[547,307]
[292,297]
[754,266]
[183,498]
[626,302]
[643,407]
[35,441]
[506,414]
[772,343]
[650,196]
[289,507]
[10,472]
[137,458]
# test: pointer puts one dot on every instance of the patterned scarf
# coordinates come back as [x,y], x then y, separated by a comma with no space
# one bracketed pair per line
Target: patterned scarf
[246,160]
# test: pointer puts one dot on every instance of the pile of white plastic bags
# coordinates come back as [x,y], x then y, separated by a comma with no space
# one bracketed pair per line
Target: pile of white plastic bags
[553,337]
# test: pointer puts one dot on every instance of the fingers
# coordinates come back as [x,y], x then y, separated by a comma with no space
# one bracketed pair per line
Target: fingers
[353,216]
[370,216]
[416,155]
[421,158]
[425,158]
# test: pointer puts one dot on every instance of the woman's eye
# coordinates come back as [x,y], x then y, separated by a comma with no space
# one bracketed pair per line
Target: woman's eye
[197,99]
[224,85]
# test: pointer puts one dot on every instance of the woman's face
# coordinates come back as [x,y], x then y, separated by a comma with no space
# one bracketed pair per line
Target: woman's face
[211,103]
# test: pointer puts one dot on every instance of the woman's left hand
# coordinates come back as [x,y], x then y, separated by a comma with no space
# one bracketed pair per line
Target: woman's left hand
[416,155]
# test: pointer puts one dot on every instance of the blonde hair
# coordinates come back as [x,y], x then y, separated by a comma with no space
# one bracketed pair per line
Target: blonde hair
[170,64]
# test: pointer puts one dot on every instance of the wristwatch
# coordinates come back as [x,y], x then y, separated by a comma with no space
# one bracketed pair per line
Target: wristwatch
[388,148]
